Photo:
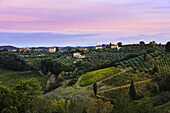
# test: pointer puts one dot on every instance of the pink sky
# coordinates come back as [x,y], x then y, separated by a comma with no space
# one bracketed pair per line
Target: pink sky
[112,19]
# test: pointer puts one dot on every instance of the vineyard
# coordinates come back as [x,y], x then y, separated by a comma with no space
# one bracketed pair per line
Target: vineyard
[138,63]
[126,77]
[163,66]
[93,76]
[116,91]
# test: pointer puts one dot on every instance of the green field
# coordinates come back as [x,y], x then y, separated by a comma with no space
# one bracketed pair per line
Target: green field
[11,78]
[93,76]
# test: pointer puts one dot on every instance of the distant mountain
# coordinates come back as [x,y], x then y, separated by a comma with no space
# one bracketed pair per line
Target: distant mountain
[43,48]
[10,48]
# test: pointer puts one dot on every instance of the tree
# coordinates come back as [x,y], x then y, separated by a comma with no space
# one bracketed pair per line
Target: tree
[132,91]
[165,83]
[119,44]
[5,50]
[168,47]
[123,104]
[110,45]
[10,101]
[61,106]
[29,88]
[70,49]
[95,88]
[142,43]
[100,107]
[11,109]
[33,48]
[57,49]
[13,62]
[18,50]
[145,105]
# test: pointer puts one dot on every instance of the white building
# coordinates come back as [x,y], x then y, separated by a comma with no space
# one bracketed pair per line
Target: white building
[52,49]
[78,54]
[98,47]
[114,46]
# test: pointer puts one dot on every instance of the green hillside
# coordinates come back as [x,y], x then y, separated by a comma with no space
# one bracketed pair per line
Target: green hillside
[11,78]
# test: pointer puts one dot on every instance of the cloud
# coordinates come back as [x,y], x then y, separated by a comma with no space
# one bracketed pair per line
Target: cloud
[110,18]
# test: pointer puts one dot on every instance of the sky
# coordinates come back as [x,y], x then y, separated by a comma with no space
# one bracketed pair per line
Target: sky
[36,23]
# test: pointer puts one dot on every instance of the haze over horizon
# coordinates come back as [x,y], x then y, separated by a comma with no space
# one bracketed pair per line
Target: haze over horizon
[83,22]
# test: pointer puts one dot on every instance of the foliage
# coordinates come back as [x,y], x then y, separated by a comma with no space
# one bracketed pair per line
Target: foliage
[91,77]
[165,83]
[100,107]
[123,104]
[61,106]
[11,78]
[119,44]
[13,62]
[54,66]
[153,88]
[77,103]
[132,91]
[145,105]
[5,50]
[29,88]
[142,43]
[70,49]
[95,88]
[168,47]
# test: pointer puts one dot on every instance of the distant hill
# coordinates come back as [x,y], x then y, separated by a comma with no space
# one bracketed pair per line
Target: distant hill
[10,48]
[43,48]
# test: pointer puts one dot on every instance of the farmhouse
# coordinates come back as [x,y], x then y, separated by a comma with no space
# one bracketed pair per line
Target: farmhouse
[114,46]
[52,49]
[14,50]
[98,47]
[78,55]
[25,49]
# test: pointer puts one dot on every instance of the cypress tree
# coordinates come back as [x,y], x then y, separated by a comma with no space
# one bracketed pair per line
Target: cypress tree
[132,91]
[110,45]
[95,88]
[168,47]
